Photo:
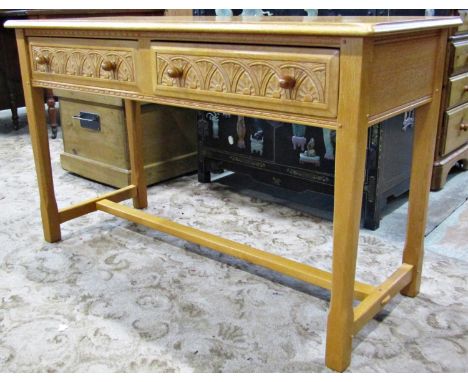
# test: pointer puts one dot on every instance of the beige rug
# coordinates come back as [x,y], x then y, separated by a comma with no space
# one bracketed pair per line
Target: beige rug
[112,296]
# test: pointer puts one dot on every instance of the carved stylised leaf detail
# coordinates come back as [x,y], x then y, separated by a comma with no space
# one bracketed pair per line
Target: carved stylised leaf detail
[72,64]
[88,66]
[246,76]
[264,72]
[214,77]
[85,62]
[242,81]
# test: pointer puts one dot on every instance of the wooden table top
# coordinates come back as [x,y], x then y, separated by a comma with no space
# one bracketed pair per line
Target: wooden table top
[319,25]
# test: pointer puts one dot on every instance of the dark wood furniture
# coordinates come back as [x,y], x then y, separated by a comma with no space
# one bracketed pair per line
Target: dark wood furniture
[11,89]
[452,136]
[281,154]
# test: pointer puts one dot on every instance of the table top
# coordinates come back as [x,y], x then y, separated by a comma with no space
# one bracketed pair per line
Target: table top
[318,25]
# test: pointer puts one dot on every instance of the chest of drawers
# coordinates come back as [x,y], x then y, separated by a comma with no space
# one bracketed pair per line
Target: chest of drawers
[452,137]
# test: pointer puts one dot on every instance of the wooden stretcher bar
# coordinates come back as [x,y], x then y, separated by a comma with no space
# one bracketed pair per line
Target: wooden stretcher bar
[381,296]
[88,206]
[277,263]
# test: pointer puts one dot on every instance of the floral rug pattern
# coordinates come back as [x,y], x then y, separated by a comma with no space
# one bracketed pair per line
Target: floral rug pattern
[114,296]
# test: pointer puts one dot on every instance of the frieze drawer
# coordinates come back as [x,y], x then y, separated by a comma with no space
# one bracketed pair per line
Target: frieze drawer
[457,128]
[86,62]
[460,59]
[299,81]
[458,90]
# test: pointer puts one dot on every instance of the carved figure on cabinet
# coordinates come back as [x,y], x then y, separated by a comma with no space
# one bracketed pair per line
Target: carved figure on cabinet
[214,118]
[256,143]
[298,139]
[241,130]
[310,155]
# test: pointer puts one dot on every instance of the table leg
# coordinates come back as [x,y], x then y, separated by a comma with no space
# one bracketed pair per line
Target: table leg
[349,182]
[421,172]
[351,144]
[34,98]
[424,141]
[135,148]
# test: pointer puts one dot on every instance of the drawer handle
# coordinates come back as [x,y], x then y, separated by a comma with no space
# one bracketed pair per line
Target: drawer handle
[174,72]
[287,82]
[463,126]
[108,66]
[465,88]
[42,60]
[83,119]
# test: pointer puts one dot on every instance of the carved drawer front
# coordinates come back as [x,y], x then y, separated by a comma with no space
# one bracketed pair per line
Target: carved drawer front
[299,81]
[458,90]
[457,128]
[84,61]
[460,59]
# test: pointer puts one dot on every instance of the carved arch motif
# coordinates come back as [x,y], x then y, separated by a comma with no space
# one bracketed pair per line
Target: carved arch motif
[85,62]
[244,76]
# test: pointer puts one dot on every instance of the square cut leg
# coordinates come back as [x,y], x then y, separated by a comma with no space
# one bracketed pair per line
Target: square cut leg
[135,148]
[35,108]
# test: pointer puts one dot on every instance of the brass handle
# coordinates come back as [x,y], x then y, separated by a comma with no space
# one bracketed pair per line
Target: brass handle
[287,82]
[174,72]
[42,60]
[464,126]
[108,65]
[465,88]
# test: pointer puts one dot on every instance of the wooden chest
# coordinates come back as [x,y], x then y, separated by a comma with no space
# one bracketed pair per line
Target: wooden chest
[98,150]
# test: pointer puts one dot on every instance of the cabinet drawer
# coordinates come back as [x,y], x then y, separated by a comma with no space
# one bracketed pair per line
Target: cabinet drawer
[84,61]
[457,125]
[298,81]
[457,90]
[460,59]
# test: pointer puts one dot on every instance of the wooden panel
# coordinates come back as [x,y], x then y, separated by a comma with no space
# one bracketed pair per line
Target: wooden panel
[457,126]
[95,170]
[403,72]
[458,90]
[302,81]
[109,145]
[111,63]
[460,59]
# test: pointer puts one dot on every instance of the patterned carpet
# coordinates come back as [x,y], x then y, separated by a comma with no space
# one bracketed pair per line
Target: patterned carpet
[113,296]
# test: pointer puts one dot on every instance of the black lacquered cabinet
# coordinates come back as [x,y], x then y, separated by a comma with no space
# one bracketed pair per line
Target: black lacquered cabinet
[301,157]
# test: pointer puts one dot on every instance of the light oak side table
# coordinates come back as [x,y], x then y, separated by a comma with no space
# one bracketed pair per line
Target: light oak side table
[340,73]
